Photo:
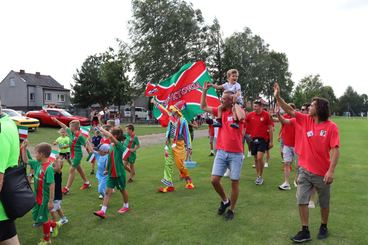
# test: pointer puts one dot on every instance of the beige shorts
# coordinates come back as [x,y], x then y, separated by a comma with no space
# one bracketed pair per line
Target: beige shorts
[306,182]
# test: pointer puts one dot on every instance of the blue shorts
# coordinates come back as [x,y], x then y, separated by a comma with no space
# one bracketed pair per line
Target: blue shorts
[228,160]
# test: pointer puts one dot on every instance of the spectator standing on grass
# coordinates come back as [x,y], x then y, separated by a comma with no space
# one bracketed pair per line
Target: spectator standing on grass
[318,142]
[230,149]
[9,155]
[288,139]
[261,131]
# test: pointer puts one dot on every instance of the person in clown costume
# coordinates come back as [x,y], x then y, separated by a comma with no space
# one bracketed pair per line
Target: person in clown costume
[178,144]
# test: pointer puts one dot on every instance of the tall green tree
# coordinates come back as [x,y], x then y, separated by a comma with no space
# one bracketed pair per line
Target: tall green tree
[275,67]
[114,71]
[103,79]
[215,52]
[351,102]
[165,34]
[245,52]
[307,88]
[89,87]
[312,86]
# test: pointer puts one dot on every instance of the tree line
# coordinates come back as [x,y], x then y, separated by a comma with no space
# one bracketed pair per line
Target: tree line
[166,34]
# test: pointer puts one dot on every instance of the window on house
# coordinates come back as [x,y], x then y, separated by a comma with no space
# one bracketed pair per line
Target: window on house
[31,97]
[61,97]
[47,96]
[12,82]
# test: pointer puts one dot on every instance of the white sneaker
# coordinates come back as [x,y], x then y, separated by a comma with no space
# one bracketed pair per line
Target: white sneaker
[311,204]
[100,196]
[253,166]
[249,154]
[266,165]
[227,173]
[284,186]
[259,180]
[64,220]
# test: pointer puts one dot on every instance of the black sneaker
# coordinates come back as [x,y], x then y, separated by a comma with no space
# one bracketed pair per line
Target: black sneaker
[229,215]
[323,233]
[223,207]
[302,236]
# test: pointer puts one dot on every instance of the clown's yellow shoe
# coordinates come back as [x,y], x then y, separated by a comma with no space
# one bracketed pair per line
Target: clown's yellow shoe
[166,189]
[189,186]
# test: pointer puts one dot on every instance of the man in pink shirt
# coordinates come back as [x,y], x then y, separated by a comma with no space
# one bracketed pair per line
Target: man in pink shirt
[318,148]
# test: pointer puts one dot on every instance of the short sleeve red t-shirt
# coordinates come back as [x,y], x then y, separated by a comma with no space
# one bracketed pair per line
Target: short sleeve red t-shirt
[229,139]
[288,132]
[211,130]
[247,127]
[259,124]
[315,140]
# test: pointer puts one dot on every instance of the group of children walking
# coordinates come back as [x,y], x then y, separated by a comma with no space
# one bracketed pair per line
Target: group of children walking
[114,152]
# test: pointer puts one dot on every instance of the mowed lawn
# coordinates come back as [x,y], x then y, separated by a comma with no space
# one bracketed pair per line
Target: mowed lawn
[49,134]
[264,215]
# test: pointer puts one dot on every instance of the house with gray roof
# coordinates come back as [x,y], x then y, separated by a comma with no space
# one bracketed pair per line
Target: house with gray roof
[27,91]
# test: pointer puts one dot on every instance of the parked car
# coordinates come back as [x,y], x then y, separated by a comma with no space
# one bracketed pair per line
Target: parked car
[140,112]
[30,123]
[45,115]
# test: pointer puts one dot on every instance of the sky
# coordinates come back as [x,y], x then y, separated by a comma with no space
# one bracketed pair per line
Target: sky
[328,37]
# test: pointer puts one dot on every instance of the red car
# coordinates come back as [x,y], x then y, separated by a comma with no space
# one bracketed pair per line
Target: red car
[44,116]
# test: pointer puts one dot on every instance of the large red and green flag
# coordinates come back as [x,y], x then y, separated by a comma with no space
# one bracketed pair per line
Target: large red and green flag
[186,85]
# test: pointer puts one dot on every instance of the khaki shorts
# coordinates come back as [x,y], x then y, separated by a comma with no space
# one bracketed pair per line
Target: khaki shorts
[306,182]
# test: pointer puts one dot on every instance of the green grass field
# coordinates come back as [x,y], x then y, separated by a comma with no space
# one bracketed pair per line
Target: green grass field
[49,134]
[264,215]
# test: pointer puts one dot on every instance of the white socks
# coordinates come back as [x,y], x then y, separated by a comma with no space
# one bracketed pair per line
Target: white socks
[104,208]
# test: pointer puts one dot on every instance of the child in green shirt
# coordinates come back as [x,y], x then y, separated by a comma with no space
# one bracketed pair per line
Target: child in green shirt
[115,171]
[77,140]
[132,143]
[63,142]
[44,188]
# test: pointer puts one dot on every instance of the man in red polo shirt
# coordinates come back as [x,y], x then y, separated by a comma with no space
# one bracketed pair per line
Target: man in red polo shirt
[318,150]
[261,132]
[230,149]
